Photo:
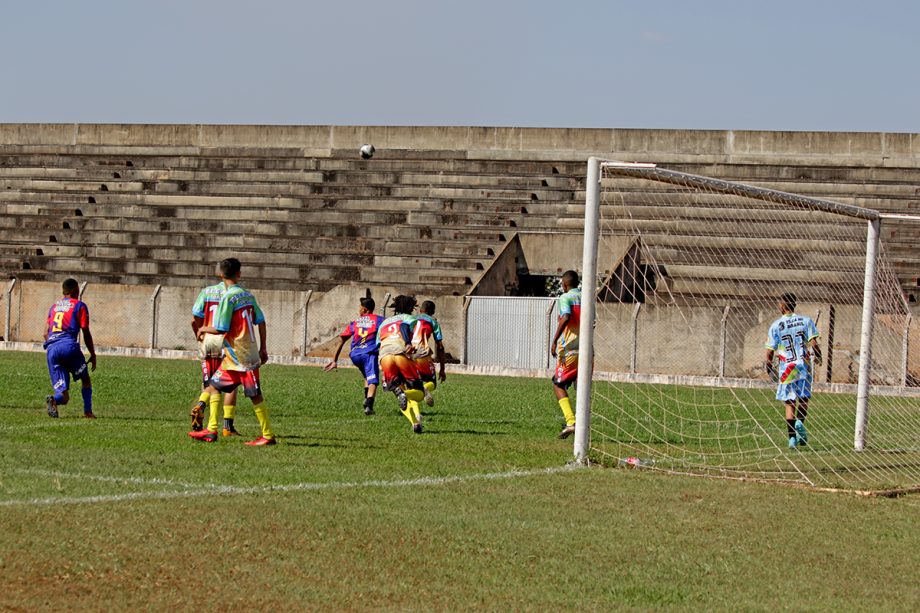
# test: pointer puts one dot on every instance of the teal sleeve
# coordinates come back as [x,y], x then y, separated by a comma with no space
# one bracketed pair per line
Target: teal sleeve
[198,307]
[437,331]
[224,314]
[258,317]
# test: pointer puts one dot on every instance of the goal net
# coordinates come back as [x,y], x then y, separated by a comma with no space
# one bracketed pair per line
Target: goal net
[681,326]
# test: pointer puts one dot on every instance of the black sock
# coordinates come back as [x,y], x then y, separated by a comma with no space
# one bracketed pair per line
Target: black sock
[365,392]
[228,424]
[801,413]
[790,427]
[369,403]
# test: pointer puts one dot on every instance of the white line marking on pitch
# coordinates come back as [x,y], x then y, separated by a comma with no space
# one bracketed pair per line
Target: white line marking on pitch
[230,490]
[106,478]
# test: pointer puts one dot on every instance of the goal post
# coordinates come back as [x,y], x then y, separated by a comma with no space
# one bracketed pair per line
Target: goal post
[711,258]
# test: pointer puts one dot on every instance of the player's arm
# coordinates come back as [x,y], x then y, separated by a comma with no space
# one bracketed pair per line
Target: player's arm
[816,350]
[90,346]
[333,363]
[196,324]
[439,347]
[263,347]
[563,321]
[768,365]
[405,330]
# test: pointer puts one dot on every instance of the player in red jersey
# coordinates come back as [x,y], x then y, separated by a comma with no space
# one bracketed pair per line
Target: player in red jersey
[210,351]
[67,318]
[565,348]
[400,374]
[428,347]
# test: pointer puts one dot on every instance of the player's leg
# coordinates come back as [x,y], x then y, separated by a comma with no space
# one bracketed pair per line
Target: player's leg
[60,381]
[426,371]
[801,413]
[564,376]
[220,381]
[414,392]
[86,390]
[230,414]
[393,381]
[367,365]
[204,399]
[790,423]
[253,391]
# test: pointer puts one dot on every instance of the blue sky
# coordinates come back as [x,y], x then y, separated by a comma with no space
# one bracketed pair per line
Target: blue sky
[779,65]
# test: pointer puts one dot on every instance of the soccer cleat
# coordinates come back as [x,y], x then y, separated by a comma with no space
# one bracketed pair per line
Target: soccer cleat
[89,415]
[259,442]
[402,400]
[567,431]
[229,432]
[205,436]
[51,407]
[801,434]
[368,410]
[429,399]
[197,415]
[417,428]
[792,442]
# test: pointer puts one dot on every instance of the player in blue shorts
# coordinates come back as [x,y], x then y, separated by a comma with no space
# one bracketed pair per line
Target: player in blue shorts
[364,350]
[793,339]
[67,318]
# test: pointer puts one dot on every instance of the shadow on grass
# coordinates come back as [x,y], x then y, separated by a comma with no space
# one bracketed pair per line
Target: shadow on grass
[473,432]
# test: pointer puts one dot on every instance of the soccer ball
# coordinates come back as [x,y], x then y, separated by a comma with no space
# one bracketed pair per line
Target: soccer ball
[367,151]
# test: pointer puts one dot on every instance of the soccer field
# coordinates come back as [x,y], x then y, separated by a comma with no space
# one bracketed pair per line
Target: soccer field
[354,512]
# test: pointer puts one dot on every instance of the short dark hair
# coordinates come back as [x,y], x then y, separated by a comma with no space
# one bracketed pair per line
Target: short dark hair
[69,285]
[571,277]
[427,307]
[403,304]
[789,300]
[230,268]
[369,304]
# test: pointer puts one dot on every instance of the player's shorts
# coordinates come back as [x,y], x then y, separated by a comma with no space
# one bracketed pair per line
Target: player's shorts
[228,380]
[796,390]
[367,364]
[209,366]
[426,369]
[566,371]
[399,370]
[65,360]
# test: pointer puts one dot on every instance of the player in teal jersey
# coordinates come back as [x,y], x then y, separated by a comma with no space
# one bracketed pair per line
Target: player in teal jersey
[428,347]
[793,339]
[564,348]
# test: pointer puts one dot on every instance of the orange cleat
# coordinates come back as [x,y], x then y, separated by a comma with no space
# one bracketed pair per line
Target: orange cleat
[205,436]
[259,442]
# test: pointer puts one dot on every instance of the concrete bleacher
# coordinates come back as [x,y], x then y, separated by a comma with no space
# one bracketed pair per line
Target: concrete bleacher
[160,204]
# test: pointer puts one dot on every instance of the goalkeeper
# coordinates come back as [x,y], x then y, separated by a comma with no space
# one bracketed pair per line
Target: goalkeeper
[793,338]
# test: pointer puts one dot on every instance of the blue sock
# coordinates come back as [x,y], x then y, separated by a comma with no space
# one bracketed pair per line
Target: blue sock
[58,397]
[87,399]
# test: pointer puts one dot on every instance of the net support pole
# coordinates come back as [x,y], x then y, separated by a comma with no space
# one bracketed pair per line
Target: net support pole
[588,306]
[9,309]
[154,316]
[905,351]
[304,321]
[865,343]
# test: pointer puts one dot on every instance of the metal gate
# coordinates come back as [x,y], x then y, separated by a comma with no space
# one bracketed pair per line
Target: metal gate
[509,332]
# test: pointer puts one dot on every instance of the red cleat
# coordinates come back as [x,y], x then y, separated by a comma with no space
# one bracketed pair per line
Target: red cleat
[260,442]
[89,415]
[205,436]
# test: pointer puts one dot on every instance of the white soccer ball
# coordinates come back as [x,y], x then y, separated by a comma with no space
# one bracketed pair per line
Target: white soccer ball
[367,151]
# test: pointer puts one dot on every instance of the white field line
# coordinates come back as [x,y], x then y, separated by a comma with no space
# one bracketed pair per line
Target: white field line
[230,490]
[55,474]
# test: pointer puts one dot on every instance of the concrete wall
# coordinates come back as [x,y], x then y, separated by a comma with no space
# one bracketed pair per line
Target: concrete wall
[878,148]
[121,316]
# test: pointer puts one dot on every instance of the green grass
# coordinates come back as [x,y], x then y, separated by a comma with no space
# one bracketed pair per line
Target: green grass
[354,525]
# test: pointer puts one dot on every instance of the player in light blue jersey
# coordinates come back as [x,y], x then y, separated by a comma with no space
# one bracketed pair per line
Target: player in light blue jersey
[793,339]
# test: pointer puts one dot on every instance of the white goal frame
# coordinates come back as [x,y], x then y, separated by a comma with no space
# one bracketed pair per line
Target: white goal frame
[873,221]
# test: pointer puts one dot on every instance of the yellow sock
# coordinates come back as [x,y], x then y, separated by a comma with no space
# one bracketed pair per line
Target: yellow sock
[566,407]
[204,397]
[430,385]
[229,411]
[414,407]
[212,415]
[262,415]
[410,415]
[416,395]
